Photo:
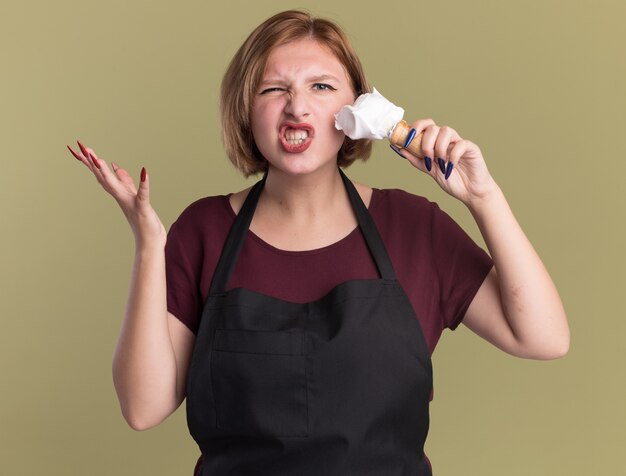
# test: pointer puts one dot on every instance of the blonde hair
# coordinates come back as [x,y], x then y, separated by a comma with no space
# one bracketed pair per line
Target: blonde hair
[245,72]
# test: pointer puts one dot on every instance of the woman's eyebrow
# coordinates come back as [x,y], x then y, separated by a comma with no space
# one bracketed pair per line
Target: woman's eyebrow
[272,81]
[323,77]
[320,77]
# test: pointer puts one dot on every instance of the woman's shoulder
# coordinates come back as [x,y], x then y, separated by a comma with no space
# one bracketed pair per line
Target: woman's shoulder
[401,215]
[396,201]
[236,199]
[205,211]
[408,213]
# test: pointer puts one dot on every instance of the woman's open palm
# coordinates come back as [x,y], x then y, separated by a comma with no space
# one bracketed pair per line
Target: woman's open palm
[134,201]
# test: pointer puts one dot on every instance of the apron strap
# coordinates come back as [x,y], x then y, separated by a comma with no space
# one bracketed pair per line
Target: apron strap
[237,234]
[235,240]
[370,232]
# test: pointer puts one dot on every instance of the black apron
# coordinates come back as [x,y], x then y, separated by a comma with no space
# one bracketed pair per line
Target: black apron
[338,386]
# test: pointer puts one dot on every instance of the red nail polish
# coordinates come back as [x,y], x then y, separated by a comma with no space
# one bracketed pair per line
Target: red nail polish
[74,153]
[95,162]
[143,174]
[82,148]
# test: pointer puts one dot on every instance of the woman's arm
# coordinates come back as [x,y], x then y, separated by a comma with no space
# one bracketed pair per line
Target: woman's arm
[517,308]
[153,350]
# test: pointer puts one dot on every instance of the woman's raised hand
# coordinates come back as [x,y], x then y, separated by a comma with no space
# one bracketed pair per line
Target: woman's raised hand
[134,202]
[456,164]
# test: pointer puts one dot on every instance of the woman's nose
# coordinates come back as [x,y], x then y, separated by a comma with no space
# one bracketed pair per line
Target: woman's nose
[297,105]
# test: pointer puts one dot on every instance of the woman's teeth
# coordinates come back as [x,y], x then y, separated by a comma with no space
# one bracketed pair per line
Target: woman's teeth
[296,136]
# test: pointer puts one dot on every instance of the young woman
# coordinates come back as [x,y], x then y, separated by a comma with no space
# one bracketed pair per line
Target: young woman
[298,317]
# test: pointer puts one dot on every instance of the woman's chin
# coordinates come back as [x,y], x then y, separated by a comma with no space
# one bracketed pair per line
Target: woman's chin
[299,166]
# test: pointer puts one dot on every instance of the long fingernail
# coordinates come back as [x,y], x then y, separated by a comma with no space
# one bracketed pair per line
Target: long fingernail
[442,165]
[428,163]
[396,150]
[449,169]
[409,138]
[82,148]
[95,162]
[74,153]
[114,166]
[143,174]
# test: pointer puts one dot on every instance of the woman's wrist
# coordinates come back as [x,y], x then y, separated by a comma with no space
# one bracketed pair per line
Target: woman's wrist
[480,202]
[149,246]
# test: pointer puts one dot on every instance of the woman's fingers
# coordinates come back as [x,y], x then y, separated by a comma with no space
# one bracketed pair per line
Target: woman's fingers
[437,143]
[123,176]
[134,202]
[423,164]
[88,161]
[446,139]
[428,145]
[463,148]
[421,124]
[103,174]
[116,182]
[143,192]
[82,155]
[458,165]
[75,154]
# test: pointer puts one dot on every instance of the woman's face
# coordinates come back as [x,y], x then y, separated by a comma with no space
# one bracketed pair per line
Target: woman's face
[304,85]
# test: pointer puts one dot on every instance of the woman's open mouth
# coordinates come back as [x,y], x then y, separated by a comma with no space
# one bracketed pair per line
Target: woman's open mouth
[296,138]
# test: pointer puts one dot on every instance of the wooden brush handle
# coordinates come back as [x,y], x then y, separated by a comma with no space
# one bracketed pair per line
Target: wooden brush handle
[399,135]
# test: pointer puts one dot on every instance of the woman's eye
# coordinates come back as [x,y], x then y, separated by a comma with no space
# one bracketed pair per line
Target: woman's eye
[271,90]
[323,87]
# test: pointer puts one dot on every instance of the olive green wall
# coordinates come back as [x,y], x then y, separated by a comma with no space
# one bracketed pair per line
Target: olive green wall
[538,85]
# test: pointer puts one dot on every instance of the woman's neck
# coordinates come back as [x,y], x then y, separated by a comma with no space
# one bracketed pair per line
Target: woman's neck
[303,197]
[303,212]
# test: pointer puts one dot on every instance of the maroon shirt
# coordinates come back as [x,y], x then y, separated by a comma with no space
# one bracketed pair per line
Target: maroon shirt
[437,264]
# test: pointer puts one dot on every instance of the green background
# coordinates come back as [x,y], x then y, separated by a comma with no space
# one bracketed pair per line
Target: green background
[538,85]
